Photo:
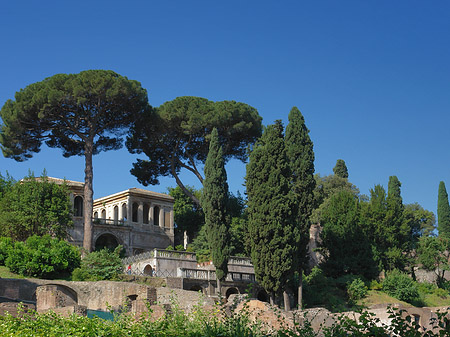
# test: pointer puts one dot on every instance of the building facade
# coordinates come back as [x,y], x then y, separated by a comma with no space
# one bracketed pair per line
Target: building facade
[137,219]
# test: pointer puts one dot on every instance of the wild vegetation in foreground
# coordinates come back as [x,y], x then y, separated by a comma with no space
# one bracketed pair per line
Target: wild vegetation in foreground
[203,323]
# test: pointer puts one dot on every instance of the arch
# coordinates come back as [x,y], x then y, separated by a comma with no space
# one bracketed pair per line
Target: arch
[262,296]
[146,214]
[106,240]
[156,211]
[231,291]
[103,214]
[134,208]
[124,212]
[116,215]
[71,296]
[148,270]
[95,215]
[78,206]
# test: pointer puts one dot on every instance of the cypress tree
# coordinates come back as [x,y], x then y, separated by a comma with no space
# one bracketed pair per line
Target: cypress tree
[443,211]
[272,210]
[396,228]
[300,153]
[340,169]
[214,202]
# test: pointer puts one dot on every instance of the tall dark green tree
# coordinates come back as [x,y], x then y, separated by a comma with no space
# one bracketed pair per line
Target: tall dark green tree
[215,202]
[300,154]
[340,169]
[178,141]
[82,114]
[272,212]
[443,212]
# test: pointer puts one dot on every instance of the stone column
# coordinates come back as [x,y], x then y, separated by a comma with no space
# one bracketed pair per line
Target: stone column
[150,216]
[120,211]
[161,217]
[129,209]
[171,221]
[141,213]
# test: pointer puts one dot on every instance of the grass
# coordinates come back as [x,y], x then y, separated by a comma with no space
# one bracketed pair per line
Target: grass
[5,273]
[375,297]
[433,300]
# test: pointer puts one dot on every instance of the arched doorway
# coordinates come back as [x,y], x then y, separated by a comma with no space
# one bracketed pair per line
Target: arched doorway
[262,296]
[106,241]
[230,292]
[148,270]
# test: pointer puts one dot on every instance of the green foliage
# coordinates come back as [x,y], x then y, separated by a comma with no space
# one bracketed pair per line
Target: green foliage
[43,257]
[433,254]
[178,139]
[5,246]
[215,203]
[443,211]
[344,243]
[188,216]
[300,155]
[272,211]
[356,290]
[99,265]
[421,221]
[326,187]
[401,286]
[340,169]
[35,206]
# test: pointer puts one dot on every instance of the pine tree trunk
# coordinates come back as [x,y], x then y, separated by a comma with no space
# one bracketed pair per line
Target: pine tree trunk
[287,303]
[272,298]
[88,197]
[300,290]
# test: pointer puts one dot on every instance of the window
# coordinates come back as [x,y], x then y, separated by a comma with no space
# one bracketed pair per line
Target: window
[78,206]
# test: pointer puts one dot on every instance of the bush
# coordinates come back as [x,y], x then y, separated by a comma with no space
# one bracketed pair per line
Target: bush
[356,290]
[401,286]
[5,245]
[42,257]
[100,265]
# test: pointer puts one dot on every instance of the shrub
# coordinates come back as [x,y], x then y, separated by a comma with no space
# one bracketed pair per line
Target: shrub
[356,290]
[43,257]
[375,285]
[100,265]
[5,245]
[401,286]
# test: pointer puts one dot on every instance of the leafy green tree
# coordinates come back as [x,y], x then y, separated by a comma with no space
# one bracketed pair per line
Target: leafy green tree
[179,137]
[434,256]
[42,256]
[100,265]
[5,184]
[300,154]
[443,211]
[344,243]
[272,210]
[188,216]
[326,187]
[422,222]
[35,206]
[215,202]
[83,114]
[340,169]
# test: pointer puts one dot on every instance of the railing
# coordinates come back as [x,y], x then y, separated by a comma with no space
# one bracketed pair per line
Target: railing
[109,222]
[211,275]
[137,258]
[173,254]
[246,261]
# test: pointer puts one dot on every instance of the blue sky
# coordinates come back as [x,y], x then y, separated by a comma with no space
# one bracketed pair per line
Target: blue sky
[372,78]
